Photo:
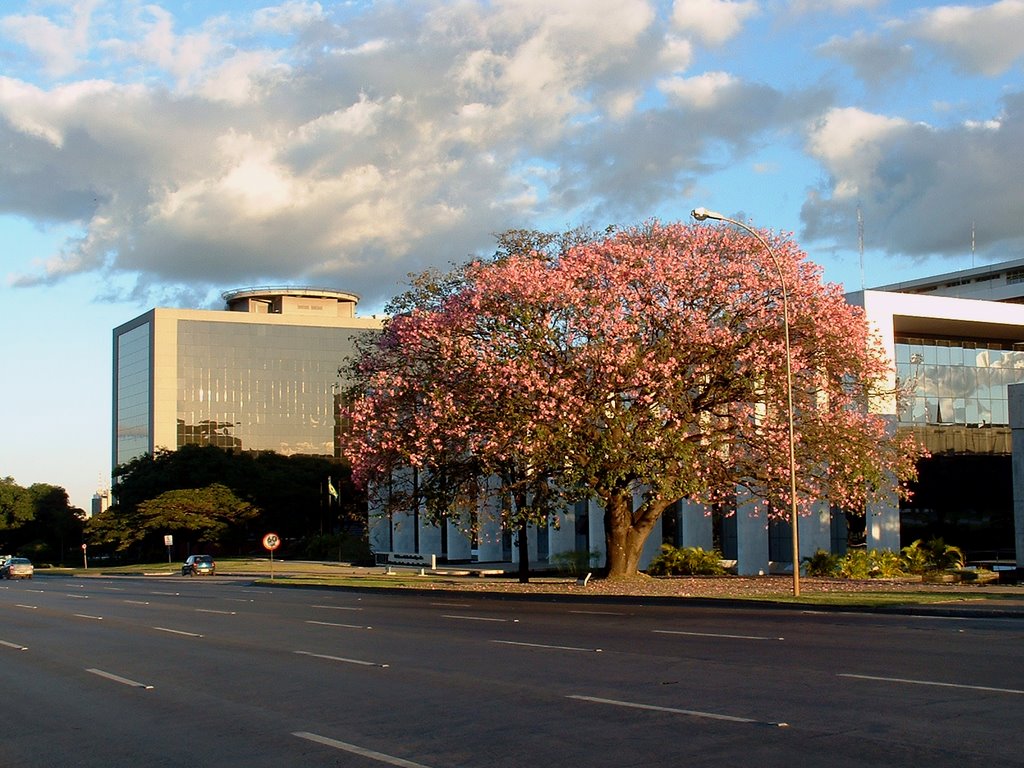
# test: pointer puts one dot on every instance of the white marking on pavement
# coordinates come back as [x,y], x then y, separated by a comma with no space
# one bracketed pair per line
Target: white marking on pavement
[360,662]
[138,602]
[713,634]
[934,683]
[87,616]
[599,613]
[78,597]
[115,589]
[673,710]
[239,600]
[449,605]
[334,624]
[213,610]
[119,679]
[167,594]
[472,618]
[337,607]
[551,647]
[15,646]
[177,632]
[22,605]
[346,747]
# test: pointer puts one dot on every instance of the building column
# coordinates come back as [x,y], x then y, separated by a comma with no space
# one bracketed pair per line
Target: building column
[815,530]
[751,537]
[695,525]
[1015,394]
[459,544]
[563,538]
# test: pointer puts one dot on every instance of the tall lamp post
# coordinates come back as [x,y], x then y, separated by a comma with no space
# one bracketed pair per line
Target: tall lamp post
[701,214]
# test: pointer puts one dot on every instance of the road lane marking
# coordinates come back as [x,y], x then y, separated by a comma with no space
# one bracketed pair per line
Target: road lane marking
[239,600]
[475,618]
[673,710]
[78,597]
[599,613]
[360,662]
[177,632]
[138,602]
[214,610]
[115,589]
[167,594]
[335,624]
[362,751]
[550,647]
[22,605]
[15,646]
[87,616]
[449,605]
[713,634]
[336,607]
[934,683]
[119,679]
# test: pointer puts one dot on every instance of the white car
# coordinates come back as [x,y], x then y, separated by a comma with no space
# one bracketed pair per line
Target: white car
[17,568]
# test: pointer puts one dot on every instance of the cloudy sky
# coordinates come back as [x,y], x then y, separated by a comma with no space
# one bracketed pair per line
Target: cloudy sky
[161,153]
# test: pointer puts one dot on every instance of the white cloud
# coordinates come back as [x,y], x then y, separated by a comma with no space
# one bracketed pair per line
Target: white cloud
[700,92]
[712,21]
[60,43]
[985,39]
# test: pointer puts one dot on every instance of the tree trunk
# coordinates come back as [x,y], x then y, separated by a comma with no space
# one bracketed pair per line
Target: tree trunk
[524,552]
[625,532]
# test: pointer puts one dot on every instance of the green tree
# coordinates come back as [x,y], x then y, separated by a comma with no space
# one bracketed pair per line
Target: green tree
[200,515]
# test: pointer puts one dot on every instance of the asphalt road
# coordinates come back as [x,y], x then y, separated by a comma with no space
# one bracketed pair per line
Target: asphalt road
[214,672]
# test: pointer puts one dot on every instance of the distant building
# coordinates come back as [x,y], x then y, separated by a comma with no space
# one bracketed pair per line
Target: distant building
[100,502]
[260,375]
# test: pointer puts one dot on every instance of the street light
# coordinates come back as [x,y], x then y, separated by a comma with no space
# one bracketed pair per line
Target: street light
[701,214]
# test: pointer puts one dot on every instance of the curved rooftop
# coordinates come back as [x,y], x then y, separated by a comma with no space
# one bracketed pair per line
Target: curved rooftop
[291,299]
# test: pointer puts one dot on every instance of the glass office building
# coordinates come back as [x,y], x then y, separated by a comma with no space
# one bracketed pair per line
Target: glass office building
[261,375]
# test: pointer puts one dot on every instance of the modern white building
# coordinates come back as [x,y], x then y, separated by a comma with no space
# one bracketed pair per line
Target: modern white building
[957,343]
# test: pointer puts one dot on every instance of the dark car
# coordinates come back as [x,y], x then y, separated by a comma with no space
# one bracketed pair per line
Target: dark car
[198,564]
[17,568]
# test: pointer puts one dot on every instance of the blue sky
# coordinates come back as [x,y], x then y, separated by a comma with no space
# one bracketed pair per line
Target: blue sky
[161,153]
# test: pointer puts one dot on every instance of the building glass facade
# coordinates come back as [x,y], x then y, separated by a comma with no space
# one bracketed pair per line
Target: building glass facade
[258,387]
[957,381]
[133,393]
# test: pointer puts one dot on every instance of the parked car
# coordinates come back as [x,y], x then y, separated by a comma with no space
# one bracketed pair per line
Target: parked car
[17,568]
[198,564]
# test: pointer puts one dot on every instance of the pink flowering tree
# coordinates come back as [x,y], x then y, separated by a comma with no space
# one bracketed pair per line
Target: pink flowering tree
[639,367]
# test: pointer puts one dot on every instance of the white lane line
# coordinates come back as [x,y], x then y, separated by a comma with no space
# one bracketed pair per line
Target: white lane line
[599,613]
[360,662]
[475,618]
[78,597]
[119,679]
[335,624]
[550,647]
[673,710]
[214,610]
[934,683]
[336,607]
[115,589]
[239,600]
[22,605]
[138,602]
[713,634]
[87,616]
[177,632]
[15,646]
[449,605]
[362,751]
[167,594]
[40,591]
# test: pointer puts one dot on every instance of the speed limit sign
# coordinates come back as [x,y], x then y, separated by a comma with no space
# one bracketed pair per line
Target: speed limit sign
[271,541]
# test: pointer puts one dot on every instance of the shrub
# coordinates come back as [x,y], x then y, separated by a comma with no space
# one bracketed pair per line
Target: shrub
[822,564]
[870,564]
[935,555]
[686,561]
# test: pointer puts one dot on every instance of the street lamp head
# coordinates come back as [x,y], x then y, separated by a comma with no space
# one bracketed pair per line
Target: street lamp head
[700,214]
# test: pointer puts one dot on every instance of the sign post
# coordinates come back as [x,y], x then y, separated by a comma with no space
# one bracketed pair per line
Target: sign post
[85,556]
[168,542]
[271,542]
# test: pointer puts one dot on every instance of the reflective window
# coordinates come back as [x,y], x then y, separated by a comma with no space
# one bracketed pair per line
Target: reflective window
[260,387]
[957,381]
[132,394]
